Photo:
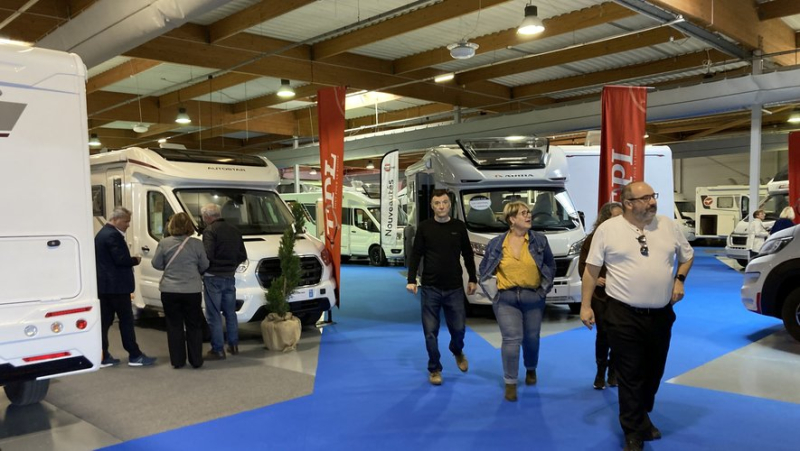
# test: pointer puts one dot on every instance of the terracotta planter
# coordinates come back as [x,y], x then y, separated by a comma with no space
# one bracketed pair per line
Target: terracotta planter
[281,334]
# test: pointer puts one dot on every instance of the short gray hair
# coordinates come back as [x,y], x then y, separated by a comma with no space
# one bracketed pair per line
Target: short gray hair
[211,210]
[120,212]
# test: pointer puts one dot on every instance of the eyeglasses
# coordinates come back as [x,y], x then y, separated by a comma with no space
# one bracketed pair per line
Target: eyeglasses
[643,243]
[646,197]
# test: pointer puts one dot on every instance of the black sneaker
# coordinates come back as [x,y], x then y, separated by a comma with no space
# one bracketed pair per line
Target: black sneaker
[142,360]
[109,360]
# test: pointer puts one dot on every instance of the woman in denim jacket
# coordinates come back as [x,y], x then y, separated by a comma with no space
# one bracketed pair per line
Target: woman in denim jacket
[523,281]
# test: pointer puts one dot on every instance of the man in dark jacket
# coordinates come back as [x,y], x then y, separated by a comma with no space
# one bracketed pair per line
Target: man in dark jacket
[225,250]
[115,284]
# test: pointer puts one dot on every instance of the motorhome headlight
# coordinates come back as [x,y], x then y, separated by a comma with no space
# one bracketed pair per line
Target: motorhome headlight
[575,248]
[478,248]
[243,266]
[326,257]
[775,246]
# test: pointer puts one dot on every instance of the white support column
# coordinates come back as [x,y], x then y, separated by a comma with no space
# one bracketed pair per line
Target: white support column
[297,178]
[755,141]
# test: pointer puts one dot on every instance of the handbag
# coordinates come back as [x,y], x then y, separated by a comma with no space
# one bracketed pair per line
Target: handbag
[180,247]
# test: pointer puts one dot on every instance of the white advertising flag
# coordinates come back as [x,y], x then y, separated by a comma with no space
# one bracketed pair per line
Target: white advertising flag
[389,204]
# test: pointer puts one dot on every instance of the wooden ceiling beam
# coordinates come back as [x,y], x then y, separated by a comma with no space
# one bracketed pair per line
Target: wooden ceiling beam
[570,55]
[123,71]
[738,20]
[251,16]
[777,9]
[205,88]
[423,17]
[565,23]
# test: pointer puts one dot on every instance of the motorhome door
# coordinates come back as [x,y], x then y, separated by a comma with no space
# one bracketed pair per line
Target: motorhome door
[363,233]
[151,221]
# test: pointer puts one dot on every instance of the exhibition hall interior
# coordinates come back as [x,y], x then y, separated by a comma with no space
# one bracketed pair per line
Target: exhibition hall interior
[165,107]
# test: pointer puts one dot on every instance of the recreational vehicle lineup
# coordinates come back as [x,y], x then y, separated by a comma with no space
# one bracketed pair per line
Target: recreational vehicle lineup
[719,208]
[48,303]
[156,183]
[360,225]
[484,175]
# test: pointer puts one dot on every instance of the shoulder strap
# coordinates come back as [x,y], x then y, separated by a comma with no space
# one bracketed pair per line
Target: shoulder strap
[180,247]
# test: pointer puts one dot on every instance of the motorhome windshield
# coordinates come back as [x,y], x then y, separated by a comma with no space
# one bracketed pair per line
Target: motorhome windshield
[551,209]
[254,212]
[402,220]
[773,205]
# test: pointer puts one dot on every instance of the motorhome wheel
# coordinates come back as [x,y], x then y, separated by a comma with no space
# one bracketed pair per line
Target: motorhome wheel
[26,392]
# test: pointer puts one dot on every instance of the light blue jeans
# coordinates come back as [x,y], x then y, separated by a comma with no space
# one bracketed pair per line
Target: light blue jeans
[519,314]
[220,296]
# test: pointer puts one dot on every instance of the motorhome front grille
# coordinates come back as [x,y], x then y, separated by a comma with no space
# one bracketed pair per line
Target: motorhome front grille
[270,268]
[562,266]
[739,240]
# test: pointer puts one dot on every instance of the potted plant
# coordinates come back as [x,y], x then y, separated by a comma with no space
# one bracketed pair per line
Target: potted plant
[280,329]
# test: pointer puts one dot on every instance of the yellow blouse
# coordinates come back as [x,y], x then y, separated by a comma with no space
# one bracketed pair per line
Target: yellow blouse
[517,272]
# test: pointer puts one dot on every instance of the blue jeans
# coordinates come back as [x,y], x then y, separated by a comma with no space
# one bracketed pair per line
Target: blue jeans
[220,296]
[434,301]
[519,314]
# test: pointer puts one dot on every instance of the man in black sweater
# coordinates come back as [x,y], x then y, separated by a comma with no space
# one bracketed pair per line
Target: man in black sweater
[440,242]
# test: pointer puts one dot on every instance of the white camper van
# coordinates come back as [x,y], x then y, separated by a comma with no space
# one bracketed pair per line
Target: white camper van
[720,208]
[584,176]
[485,174]
[776,200]
[155,183]
[49,312]
[360,224]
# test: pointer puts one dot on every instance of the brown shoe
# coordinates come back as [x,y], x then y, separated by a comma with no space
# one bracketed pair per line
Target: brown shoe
[435,378]
[511,392]
[462,362]
[215,355]
[530,377]
[233,349]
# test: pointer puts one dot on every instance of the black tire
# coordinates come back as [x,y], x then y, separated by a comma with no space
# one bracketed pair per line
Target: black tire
[791,314]
[376,256]
[575,308]
[26,392]
[742,262]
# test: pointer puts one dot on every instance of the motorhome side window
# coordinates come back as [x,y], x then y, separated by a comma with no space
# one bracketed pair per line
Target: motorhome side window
[158,213]
[725,202]
[117,193]
[254,212]
[347,216]
[98,200]
[551,209]
[363,221]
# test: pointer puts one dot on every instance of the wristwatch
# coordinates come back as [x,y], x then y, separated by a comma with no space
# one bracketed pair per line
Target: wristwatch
[680,277]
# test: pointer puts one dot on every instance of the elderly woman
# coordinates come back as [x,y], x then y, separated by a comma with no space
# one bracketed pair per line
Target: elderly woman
[183,260]
[525,267]
[599,298]
[756,233]
[785,221]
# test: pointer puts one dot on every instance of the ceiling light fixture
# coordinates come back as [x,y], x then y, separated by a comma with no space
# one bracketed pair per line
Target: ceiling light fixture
[94,141]
[444,77]
[141,128]
[313,171]
[370,165]
[462,50]
[162,140]
[531,24]
[286,90]
[794,118]
[183,118]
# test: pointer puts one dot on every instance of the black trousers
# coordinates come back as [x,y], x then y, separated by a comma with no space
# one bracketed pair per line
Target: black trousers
[120,305]
[601,346]
[185,322]
[639,340]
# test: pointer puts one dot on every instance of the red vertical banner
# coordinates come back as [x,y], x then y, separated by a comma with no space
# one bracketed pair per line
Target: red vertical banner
[794,174]
[622,140]
[330,108]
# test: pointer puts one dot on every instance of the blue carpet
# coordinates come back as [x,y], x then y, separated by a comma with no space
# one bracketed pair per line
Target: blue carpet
[372,392]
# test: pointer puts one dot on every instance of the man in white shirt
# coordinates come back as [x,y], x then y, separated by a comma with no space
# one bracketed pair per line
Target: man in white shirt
[640,251]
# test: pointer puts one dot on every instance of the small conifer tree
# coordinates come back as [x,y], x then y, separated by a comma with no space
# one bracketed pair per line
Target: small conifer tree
[284,285]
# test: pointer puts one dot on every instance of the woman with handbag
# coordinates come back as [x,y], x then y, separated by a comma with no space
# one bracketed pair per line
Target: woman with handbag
[183,260]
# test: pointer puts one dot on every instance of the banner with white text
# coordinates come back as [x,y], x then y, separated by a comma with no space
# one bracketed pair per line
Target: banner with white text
[622,140]
[391,234]
[330,108]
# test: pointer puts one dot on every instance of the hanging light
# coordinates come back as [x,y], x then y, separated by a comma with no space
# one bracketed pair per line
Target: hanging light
[532,24]
[94,141]
[794,118]
[286,91]
[313,171]
[370,165]
[183,118]
[462,50]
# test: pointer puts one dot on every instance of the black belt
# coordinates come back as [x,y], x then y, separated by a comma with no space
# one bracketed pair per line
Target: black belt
[642,310]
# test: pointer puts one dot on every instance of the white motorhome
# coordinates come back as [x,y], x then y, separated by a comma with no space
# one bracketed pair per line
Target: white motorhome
[49,311]
[155,183]
[360,224]
[485,174]
[584,177]
[776,200]
[720,208]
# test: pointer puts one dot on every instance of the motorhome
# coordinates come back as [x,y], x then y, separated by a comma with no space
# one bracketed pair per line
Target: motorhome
[684,213]
[484,175]
[720,208]
[49,311]
[360,225]
[776,200]
[155,183]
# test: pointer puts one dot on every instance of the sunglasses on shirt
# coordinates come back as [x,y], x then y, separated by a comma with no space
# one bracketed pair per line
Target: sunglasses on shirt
[643,249]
